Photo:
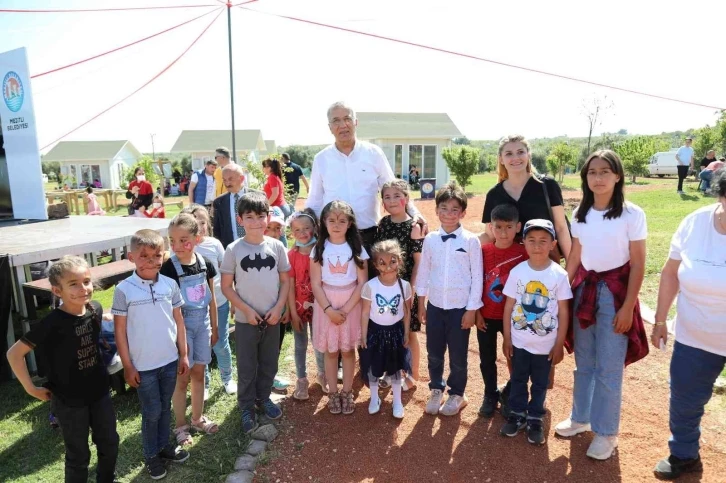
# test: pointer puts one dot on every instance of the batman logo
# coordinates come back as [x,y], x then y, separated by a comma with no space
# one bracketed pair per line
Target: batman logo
[256,261]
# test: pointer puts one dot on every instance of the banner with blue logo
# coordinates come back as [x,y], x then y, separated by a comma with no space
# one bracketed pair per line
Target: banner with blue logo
[20,140]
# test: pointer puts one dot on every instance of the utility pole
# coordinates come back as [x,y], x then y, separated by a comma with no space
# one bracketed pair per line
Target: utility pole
[162,180]
[231,79]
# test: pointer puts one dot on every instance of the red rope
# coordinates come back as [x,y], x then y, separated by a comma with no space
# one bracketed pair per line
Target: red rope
[17,10]
[142,86]
[482,59]
[122,47]
[243,3]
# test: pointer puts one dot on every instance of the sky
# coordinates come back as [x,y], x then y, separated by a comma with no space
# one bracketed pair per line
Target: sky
[286,72]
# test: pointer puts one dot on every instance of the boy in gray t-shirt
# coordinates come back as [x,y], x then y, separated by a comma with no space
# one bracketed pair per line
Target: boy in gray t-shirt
[256,283]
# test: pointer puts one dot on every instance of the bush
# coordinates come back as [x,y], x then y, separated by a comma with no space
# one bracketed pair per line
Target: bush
[463,163]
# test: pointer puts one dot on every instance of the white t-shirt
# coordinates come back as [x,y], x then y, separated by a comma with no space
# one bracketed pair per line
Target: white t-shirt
[339,269]
[534,316]
[685,153]
[386,302]
[606,243]
[211,248]
[701,314]
[209,195]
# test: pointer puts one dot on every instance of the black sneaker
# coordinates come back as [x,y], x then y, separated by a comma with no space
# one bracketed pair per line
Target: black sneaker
[535,432]
[174,456]
[156,468]
[489,405]
[513,425]
[504,401]
[672,467]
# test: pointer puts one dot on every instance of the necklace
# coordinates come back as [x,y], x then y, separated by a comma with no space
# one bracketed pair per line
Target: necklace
[720,221]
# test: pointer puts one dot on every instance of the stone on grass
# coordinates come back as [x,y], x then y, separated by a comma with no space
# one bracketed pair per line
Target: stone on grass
[245,462]
[268,433]
[256,447]
[720,386]
[240,477]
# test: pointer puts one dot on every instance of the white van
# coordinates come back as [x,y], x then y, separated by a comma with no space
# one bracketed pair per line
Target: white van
[662,164]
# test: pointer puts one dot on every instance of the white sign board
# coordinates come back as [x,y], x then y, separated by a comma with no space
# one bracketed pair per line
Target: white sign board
[20,138]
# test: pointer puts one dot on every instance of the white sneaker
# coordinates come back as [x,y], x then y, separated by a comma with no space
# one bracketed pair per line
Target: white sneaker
[230,387]
[206,394]
[320,379]
[602,447]
[408,382]
[434,402]
[453,405]
[568,428]
[398,410]
[374,406]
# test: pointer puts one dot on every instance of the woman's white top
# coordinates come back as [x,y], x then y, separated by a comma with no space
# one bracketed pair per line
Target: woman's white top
[701,311]
[339,268]
[211,248]
[606,243]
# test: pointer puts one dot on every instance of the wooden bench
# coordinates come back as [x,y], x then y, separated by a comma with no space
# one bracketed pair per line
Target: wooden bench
[103,276]
[179,203]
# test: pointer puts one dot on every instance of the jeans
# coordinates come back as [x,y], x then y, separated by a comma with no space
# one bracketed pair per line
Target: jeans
[155,391]
[706,175]
[599,360]
[221,349]
[257,354]
[693,373]
[301,350]
[525,367]
[488,355]
[682,174]
[443,330]
[74,422]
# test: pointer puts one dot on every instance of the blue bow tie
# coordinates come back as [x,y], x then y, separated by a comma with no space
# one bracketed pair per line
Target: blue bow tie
[446,237]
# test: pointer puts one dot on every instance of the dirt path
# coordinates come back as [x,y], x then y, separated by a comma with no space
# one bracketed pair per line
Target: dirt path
[319,447]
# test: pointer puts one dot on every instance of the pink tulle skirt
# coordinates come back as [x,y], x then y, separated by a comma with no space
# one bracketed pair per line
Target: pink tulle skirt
[328,337]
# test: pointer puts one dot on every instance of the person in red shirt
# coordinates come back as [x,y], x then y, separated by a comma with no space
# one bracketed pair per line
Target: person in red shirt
[274,187]
[140,193]
[157,208]
[499,258]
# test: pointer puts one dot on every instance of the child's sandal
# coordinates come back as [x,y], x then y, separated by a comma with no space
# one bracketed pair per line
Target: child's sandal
[183,437]
[334,403]
[205,426]
[348,406]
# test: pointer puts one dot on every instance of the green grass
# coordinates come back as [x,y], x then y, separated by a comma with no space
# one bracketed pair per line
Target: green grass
[32,452]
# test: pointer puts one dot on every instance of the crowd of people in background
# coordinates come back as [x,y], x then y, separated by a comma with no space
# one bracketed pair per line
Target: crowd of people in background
[361,287]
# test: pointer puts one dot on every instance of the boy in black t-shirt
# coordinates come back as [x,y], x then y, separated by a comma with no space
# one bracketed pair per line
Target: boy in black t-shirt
[77,379]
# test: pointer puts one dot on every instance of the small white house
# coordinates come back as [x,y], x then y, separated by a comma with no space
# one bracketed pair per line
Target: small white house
[270,147]
[88,161]
[202,144]
[411,139]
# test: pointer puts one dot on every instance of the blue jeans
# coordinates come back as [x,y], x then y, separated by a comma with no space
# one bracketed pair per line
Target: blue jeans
[693,373]
[301,350]
[155,391]
[443,330]
[599,360]
[706,175]
[221,348]
[526,366]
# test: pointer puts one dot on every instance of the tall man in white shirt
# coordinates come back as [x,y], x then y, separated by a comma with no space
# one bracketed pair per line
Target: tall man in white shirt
[353,171]
[451,275]
[201,186]
[684,158]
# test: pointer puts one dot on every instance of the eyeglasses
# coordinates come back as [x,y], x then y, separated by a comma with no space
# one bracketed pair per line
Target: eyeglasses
[339,122]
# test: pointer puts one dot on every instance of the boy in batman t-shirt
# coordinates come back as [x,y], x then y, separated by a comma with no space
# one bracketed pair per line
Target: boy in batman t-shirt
[255,281]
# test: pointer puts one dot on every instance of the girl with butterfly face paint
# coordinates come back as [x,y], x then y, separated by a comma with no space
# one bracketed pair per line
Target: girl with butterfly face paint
[385,322]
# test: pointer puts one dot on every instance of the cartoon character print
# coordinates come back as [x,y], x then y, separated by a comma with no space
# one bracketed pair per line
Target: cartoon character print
[388,305]
[494,284]
[533,310]
[195,294]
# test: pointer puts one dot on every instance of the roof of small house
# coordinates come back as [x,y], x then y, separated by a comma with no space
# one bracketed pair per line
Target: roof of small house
[209,140]
[389,125]
[87,150]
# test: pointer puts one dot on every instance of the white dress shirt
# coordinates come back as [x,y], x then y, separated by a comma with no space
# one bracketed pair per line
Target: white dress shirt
[356,178]
[451,272]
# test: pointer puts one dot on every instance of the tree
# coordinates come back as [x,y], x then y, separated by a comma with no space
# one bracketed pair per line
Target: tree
[148,164]
[51,168]
[721,134]
[462,141]
[487,162]
[463,163]
[186,164]
[594,109]
[539,161]
[635,154]
[561,156]
[706,139]
[623,132]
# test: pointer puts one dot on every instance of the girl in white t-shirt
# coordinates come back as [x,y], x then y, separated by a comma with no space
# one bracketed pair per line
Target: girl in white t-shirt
[606,267]
[337,274]
[385,324]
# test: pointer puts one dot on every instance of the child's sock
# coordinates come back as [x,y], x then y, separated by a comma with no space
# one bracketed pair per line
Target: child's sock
[374,392]
[396,390]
